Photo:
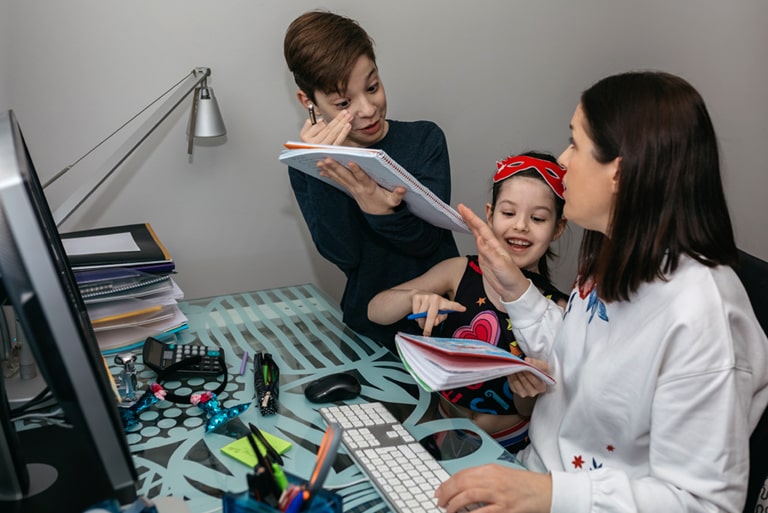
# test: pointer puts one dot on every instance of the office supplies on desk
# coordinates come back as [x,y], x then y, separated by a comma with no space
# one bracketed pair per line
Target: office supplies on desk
[271,452]
[244,363]
[241,449]
[266,382]
[133,245]
[124,313]
[300,497]
[158,356]
[393,459]
[106,284]
[262,483]
[325,501]
[444,363]
[132,337]
[339,386]
[421,201]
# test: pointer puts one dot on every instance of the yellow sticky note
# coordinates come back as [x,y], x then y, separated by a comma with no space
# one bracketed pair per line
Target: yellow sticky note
[241,449]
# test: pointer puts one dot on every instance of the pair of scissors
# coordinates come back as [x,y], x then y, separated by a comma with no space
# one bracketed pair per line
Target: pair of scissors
[272,459]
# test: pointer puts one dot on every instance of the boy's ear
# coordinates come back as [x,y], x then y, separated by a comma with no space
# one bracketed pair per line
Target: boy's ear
[304,100]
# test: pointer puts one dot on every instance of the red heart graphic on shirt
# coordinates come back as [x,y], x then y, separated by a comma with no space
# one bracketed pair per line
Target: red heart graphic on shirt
[484,327]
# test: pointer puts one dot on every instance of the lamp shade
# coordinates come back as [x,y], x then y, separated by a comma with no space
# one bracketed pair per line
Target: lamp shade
[207,121]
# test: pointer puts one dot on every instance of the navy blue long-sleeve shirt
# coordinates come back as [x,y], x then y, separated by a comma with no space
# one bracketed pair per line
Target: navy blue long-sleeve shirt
[377,252]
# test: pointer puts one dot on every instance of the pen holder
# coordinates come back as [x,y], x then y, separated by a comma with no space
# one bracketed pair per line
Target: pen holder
[324,501]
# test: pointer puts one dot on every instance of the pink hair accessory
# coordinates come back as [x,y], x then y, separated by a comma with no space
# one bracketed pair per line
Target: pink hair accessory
[158,391]
[204,397]
[551,173]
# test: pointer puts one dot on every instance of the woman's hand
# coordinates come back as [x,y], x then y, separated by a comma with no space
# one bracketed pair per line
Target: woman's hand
[498,488]
[526,384]
[497,265]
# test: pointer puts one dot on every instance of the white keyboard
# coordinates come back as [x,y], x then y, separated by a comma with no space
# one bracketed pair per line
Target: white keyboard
[405,474]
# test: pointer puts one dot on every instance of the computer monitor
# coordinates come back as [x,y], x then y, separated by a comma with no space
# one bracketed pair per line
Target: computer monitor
[53,468]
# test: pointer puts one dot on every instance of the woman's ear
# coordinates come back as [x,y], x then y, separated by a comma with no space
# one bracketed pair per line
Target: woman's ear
[488,214]
[616,172]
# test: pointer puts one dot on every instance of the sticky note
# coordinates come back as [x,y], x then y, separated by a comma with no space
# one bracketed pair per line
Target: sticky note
[241,449]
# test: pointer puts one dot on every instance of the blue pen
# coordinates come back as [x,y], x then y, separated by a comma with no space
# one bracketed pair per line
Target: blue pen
[421,315]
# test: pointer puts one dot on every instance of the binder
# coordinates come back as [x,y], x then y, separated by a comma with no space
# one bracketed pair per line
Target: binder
[421,201]
[134,245]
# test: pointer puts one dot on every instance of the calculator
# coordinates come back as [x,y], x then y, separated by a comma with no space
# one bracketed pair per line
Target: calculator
[158,356]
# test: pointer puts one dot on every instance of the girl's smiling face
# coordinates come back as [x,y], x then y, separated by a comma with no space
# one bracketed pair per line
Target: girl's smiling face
[525,218]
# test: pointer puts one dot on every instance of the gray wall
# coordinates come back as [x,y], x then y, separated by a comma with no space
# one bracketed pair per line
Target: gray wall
[498,76]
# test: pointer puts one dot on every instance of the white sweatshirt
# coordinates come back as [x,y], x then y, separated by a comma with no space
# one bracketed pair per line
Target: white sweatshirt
[655,397]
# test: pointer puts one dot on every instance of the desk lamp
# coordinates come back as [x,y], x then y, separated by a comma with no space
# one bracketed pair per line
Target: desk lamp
[205,122]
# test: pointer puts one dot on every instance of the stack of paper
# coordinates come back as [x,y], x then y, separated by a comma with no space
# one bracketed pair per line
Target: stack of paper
[124,277]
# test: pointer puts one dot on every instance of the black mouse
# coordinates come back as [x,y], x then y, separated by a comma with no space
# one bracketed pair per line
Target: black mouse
[333,387]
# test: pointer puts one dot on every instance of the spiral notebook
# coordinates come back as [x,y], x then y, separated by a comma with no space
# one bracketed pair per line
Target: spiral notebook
[421,201]
[444,363]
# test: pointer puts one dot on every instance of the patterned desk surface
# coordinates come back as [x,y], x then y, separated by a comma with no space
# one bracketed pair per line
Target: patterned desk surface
[302,328]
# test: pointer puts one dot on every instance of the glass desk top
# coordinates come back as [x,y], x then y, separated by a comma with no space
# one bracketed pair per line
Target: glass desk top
[301,327]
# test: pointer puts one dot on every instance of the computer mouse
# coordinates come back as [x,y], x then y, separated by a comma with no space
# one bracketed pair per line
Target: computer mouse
[333,387]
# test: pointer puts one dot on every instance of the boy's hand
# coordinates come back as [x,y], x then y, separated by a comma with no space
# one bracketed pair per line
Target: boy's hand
[334,132]
[372,198]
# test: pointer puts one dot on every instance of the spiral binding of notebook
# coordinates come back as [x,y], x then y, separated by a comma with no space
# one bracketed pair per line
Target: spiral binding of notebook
[113,287]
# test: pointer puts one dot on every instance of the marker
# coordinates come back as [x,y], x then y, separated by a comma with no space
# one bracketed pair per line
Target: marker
[312,116]
[244,363]
[421,315]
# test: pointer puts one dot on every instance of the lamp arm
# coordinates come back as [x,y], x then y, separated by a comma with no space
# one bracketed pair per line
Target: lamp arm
[187,86]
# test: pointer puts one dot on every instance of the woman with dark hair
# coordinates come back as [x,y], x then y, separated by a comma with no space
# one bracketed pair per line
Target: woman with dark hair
[661,365]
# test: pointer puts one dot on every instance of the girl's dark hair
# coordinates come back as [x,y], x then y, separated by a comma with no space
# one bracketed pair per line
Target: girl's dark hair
[670,200]
[321,48]
[559,203]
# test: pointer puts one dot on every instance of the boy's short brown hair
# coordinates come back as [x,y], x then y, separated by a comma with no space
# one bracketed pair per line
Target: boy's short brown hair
[321,48]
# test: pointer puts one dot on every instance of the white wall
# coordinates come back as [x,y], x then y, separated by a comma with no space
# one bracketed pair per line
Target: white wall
[499,77]
[5,44]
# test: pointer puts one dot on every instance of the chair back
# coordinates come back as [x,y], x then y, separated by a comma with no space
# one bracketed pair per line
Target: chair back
[753,273]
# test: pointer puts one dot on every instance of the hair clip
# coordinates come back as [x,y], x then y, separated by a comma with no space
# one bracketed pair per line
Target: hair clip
[551,173]
[130,415]
[217,414]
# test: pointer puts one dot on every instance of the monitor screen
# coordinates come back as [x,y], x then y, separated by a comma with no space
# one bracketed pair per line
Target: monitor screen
[69,467]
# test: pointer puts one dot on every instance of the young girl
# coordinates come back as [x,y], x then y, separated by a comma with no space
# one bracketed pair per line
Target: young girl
[526,211]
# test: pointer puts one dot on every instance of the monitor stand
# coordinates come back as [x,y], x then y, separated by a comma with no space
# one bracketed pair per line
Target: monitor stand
[20,391]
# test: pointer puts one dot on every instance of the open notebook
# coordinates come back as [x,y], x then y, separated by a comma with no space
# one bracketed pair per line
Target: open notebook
[421,201]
